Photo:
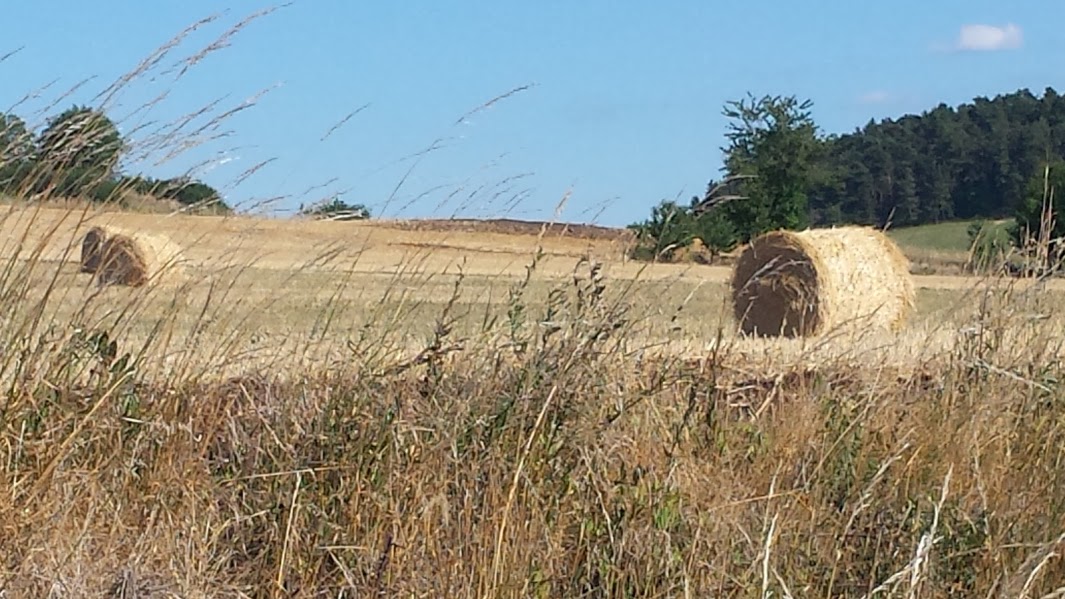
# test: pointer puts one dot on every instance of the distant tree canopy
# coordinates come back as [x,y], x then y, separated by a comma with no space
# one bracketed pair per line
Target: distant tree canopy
[77,154]
[1042,191]
[967,162]
[336,209]
[17,150]
[981,160]
[16,142]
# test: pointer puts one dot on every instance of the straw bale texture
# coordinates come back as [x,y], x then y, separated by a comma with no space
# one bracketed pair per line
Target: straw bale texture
[91,245]
[132,260]
[807,283]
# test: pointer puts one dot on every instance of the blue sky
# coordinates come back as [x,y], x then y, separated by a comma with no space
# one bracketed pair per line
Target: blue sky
[622,109]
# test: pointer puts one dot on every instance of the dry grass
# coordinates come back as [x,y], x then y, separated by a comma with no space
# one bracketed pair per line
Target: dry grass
[573,433]
[540,462]
[358,410]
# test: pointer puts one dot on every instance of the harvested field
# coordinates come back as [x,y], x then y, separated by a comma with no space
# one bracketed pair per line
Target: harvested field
[290,263]
[322,408]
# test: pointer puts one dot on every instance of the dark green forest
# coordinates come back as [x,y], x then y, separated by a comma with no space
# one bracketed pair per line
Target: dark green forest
[975,160]
[984,159]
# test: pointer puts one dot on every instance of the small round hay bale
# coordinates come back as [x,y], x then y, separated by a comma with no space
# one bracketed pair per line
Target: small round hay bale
[91,245]
[805,283]
[133,260]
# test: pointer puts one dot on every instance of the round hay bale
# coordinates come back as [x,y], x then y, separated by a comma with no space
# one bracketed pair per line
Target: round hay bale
[91,245]
[805,283]
[133,260]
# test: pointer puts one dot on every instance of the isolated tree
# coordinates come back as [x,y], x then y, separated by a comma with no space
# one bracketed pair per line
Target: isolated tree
[78,150]
[775,141]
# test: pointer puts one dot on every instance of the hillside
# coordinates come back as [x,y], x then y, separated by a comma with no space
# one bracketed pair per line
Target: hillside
[950,236]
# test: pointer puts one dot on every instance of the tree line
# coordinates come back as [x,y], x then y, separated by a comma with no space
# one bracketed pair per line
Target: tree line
[77,155]
[986,159]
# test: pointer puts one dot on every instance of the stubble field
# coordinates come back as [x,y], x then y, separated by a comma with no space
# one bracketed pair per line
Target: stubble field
[373,409]
[281,277]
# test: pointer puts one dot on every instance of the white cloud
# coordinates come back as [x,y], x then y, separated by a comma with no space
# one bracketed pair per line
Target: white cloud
[874,97]
[989,37]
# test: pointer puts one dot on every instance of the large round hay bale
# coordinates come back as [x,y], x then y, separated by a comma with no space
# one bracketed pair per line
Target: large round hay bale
[91,245]
[132,261]
[805,283]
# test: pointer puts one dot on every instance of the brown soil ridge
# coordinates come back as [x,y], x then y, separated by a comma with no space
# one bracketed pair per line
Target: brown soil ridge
[513,227]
